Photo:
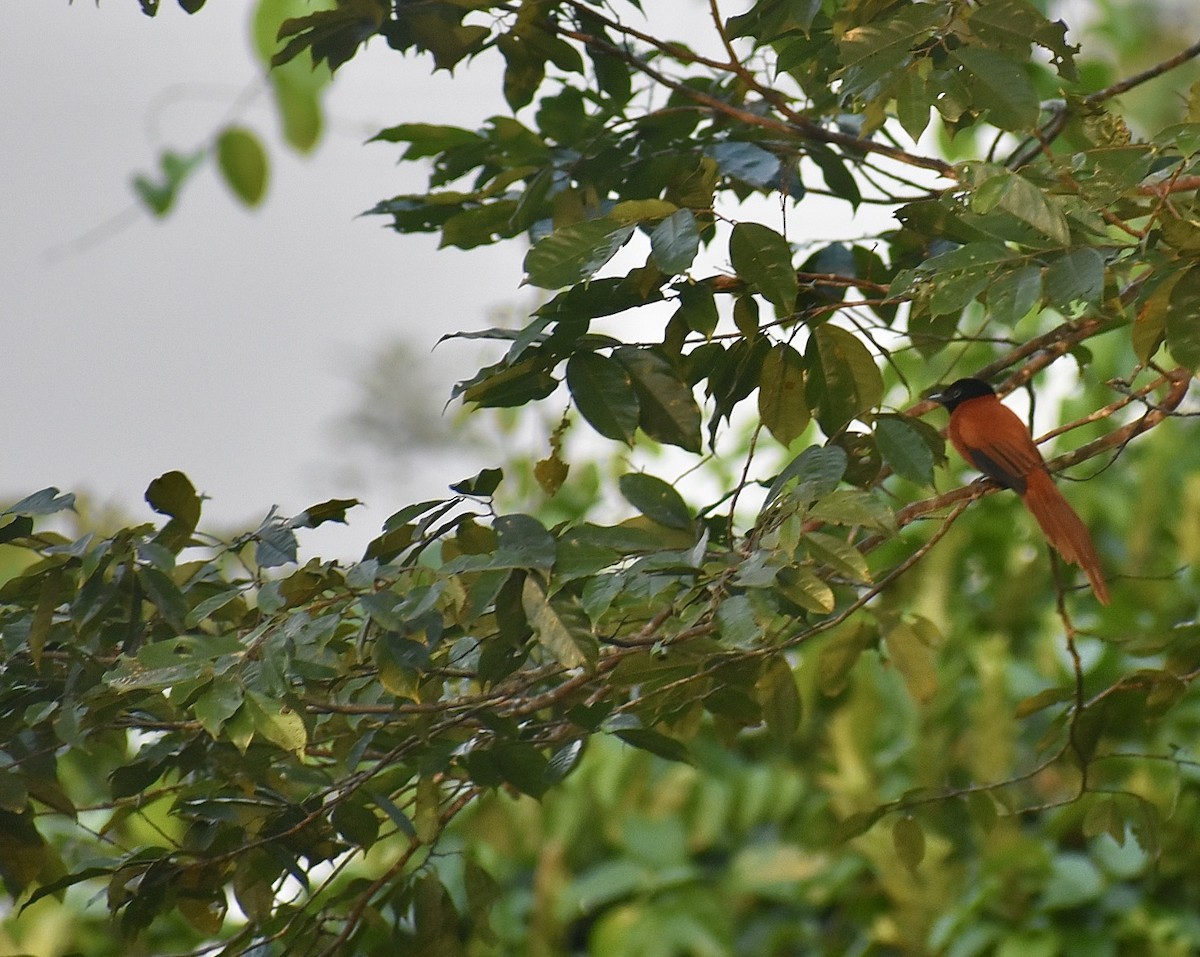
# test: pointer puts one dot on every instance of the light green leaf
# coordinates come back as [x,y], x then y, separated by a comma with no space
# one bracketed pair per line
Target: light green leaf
[849,506]
[738,624]
[559,624]
[277,722]
[914,659]
[640,210]
[806,589]
[243,163]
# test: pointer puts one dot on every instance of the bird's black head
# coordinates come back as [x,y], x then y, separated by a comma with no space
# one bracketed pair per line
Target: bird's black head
[958,392]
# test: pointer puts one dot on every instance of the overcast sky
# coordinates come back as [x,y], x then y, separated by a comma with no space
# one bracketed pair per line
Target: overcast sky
[220,341]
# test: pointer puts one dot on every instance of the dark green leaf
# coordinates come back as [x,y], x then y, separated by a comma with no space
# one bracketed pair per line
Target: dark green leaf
[779,698]
[1182,322]
[763,259]
[481,485]
[655,743]
[333,510]
[603,393]
[655,499]
[524,542]
[173,494]
[667,409]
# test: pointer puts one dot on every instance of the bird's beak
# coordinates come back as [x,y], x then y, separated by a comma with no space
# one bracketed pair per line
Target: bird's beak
[939,396]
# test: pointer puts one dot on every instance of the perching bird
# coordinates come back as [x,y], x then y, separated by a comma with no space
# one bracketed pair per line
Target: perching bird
[991,437]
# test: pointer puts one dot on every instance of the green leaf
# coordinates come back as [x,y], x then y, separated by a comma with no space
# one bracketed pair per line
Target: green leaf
[738,623]
[851,507]
[778,697]
[667,409]
[481,485]
[603,393]
[1077,276]
[1016,195]
[763,259]
[1074,880]
[1011,296]
[275,543]
[333,510]
[843,380]
[837,659]
[46,502]
[655,499]
[749,163]
[806,589]
[871,53]
[909,841]
[642,210]
[904,449]
[1182,324]
[781,399]
[656,743]
[243,162]
[675,242]
[524,542]
[839,555]
[173,494]
[217,705]
[698,308]
[1000,86]
[815,472]
[277,722]
[575,253]
[914,658]
[166,596]
[560,625]
[176,168]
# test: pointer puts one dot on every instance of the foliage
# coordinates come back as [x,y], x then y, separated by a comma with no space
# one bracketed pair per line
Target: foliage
[818,710]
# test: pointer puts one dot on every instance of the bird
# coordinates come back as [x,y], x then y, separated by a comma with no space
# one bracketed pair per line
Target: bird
[992,438]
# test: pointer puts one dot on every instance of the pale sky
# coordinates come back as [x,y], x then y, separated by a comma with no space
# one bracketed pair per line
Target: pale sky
[220,341]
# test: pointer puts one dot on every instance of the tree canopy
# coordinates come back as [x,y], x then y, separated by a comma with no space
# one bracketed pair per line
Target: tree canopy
[731,664]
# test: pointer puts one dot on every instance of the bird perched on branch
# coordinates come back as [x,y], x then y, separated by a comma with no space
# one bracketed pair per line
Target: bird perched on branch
[991,437]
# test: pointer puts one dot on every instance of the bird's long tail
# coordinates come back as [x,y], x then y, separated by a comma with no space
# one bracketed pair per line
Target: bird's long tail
[1064,529]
